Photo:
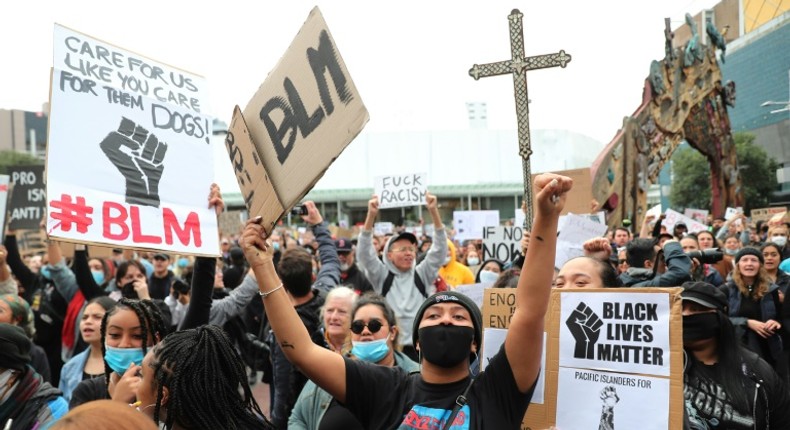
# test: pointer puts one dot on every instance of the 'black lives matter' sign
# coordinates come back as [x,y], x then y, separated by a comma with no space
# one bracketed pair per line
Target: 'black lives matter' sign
[28,199]
[620,332]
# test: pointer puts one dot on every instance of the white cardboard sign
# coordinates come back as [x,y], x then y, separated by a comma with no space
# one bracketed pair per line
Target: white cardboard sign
[574,231]
[501,243]
[397,191]
[674,217]
[129,161]
[470,224]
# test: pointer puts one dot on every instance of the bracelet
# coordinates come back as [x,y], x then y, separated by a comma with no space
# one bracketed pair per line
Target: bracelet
[266,294]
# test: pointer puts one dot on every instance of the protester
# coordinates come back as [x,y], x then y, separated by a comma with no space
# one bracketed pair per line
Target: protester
[771,257]
[102,415]
[778,235]
[350,275]
[587,272]
[234,273]
[452,272]
[725,385]
[754,308]
[374,334]
[336,317]
[89,363]
[162,278]
[26,400]
[642,271]
[15,310]
[396,277]
[127,332]
[472,258]
[699,271]
[195,379]
[447,330]
[621,236]
[489,271]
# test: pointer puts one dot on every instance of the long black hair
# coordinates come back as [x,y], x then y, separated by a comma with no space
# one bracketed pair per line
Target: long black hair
[150,319]
[203,373]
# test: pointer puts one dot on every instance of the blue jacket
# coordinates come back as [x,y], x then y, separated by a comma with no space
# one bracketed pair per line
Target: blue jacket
[71,373]
[314,401]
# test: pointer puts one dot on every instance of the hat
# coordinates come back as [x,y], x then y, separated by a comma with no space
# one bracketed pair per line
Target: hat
[749,251]
[161,256]
[236,253]
[343,245]
[14,347]
[704,294]
[403,235]
[454,297]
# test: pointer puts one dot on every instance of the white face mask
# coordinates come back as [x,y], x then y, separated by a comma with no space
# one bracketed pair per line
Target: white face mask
[779,240]
[446,260]
[344,267]
[488,276]
[473,261]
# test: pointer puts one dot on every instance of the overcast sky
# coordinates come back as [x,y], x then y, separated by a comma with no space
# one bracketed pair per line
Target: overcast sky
[409,59]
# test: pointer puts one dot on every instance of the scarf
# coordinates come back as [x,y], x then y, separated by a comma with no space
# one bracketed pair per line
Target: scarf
[18,406]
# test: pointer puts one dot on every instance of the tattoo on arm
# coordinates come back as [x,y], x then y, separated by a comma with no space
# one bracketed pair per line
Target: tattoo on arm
[539,238]
[284,344]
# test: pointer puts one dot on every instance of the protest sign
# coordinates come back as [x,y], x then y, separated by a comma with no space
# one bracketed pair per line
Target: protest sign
[28,201]
[397,191]
[699,215]
[729,213]
[383,228]
[129,161]
[574,231]
[298,122]
[764,214]
[501,243]
[5,182]
[674,217]
[663,393]
[474,292]
[470,224]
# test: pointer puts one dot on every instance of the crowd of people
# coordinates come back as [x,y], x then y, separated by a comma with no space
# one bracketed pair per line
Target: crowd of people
[368,332]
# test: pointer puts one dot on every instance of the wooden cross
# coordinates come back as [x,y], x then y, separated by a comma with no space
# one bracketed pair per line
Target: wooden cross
[518,66]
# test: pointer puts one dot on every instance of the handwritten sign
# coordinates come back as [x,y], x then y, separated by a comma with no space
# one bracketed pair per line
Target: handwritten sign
[470,224]
[383,228]
[397,191]
[699,215]
[674,217]
[298,122]
[574,231]
[29,199]
[128,161]
[502,243]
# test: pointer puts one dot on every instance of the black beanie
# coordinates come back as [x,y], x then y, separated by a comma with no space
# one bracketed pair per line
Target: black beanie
[455,297]
[14,347]
[750,251]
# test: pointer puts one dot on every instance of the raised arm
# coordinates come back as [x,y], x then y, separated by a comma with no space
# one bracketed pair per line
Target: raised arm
[367,257]
[82,271]
[321,365]
[25,276]
[524,341]
[329,275]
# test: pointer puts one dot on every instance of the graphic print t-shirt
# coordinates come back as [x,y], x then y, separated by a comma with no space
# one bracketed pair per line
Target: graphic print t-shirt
[708,405]
[389,398]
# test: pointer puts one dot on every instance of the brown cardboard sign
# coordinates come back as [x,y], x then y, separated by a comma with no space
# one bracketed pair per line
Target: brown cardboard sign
[764,214]
[298,122]
[579,198]
[584,388]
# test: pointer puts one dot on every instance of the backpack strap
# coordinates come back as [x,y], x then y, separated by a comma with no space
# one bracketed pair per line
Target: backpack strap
[391,278]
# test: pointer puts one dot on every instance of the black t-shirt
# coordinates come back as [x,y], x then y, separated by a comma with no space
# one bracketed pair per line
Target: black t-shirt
[750,309]
[390,398]
[338,417]
[708,405]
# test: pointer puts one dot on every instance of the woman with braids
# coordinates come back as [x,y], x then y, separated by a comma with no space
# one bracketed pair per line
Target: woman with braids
[195,379]
[127,332]
[755,308]
[374,336]
[447,332]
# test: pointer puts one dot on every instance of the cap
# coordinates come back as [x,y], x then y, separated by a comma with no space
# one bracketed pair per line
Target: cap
[403,235]
[161,256]
[14,347]
[454,297]
[343,245]
[704,294]
[749,251]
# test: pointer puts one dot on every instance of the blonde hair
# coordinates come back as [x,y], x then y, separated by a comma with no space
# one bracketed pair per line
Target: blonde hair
[104,414]
[761,283]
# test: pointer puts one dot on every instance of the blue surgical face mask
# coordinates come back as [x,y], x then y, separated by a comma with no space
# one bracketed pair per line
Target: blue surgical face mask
[373,351]
[98,276]
[488,276]
[119,359]
[183,262]
[276,246]
[45,272]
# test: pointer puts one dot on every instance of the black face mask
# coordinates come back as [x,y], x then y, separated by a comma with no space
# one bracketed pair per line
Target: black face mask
[700,326]
[446,345]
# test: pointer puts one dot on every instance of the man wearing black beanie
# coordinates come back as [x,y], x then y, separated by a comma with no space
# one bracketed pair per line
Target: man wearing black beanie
[26,401]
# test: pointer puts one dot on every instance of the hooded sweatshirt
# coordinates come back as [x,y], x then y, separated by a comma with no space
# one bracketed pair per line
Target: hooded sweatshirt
[455,273]
[404,297]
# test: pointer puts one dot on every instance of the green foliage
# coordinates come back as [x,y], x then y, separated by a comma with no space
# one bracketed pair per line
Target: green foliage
[13,158]
[691,176]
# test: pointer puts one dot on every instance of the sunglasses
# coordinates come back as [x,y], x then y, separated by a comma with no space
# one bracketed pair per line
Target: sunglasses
[373,326]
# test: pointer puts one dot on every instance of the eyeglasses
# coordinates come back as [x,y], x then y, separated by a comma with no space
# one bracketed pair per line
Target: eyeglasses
[373,326]
[404,249]
[621,261]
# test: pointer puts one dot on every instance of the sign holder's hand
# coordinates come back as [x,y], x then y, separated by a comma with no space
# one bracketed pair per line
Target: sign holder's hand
[257,250]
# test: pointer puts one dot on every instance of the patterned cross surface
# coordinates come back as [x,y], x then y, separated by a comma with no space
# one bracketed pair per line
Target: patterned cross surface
[518,67]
